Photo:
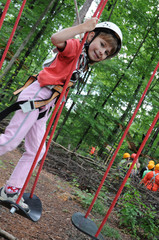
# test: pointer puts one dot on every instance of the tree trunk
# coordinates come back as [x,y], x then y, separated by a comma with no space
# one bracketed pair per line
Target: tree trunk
[156,148]
[83,11]
[111,6]
[153,138]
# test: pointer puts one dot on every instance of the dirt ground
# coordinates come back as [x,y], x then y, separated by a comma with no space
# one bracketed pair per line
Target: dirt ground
[59,204]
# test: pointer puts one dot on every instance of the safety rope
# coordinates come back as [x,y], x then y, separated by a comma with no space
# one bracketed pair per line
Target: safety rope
[48,145]
[4,12]
[12,34]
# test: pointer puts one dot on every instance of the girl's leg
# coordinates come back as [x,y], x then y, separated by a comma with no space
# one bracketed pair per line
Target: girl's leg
[17,129]
[19,126]
[32,143]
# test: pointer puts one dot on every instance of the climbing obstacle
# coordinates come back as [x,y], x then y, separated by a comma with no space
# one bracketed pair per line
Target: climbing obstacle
[78,219]
[85,225]
[34,203]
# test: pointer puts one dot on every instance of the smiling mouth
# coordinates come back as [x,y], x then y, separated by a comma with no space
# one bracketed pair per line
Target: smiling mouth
[96,55]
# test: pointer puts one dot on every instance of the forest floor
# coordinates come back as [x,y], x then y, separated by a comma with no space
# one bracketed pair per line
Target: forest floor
[59,203]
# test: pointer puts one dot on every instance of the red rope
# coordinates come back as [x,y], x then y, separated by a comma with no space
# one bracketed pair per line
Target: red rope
[12,34]
[55,111]
[98,8]
[48,145]
[102,8]
[120,143]
[4,12]
[128,174]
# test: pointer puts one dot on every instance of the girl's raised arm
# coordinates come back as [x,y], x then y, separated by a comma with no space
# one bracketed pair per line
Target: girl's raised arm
[59,39]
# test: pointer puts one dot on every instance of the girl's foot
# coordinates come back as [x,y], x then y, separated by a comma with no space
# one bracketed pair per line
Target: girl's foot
[5,196]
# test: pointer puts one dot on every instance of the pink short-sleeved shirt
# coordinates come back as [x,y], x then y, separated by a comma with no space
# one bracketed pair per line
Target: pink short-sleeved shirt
[57,72]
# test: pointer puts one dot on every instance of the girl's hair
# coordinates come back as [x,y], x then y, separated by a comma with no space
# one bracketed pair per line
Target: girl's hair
[110,39]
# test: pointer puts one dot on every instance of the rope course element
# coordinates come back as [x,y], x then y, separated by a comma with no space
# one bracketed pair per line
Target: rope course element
[128,174]
[122,139]
[82,222]
[12,34]
[4,12]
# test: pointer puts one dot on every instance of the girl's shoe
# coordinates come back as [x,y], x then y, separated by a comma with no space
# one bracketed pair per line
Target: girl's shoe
[13,198]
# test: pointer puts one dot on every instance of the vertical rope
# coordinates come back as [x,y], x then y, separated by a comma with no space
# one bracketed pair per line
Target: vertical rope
[102,8]
[4,12]
[121,141]
[98,8]
[12,34]
[48,145]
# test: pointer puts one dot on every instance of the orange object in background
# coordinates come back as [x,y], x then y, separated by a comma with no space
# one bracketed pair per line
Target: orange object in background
[151,180]
[92,151]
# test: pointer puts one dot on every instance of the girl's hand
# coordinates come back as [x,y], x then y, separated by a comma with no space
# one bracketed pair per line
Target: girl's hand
[90,24]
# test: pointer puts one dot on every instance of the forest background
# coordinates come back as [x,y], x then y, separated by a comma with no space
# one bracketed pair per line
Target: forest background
[100,106]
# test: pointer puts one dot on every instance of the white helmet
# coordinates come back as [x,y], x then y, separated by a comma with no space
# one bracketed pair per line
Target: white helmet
[114,29]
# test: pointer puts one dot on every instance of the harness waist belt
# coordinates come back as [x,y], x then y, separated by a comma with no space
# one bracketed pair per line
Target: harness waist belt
[30,105]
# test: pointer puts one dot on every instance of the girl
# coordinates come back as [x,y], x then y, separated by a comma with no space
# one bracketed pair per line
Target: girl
[103,42]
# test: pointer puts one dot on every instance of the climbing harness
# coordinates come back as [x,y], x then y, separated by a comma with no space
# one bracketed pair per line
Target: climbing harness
[30,105]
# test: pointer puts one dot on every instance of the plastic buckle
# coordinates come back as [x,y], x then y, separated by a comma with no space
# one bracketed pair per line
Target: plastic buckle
[28,106]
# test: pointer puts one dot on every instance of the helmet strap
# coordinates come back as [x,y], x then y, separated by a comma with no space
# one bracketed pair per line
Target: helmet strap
[87,44]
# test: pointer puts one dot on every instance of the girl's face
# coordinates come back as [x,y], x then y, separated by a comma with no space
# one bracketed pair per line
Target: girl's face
[99,49]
